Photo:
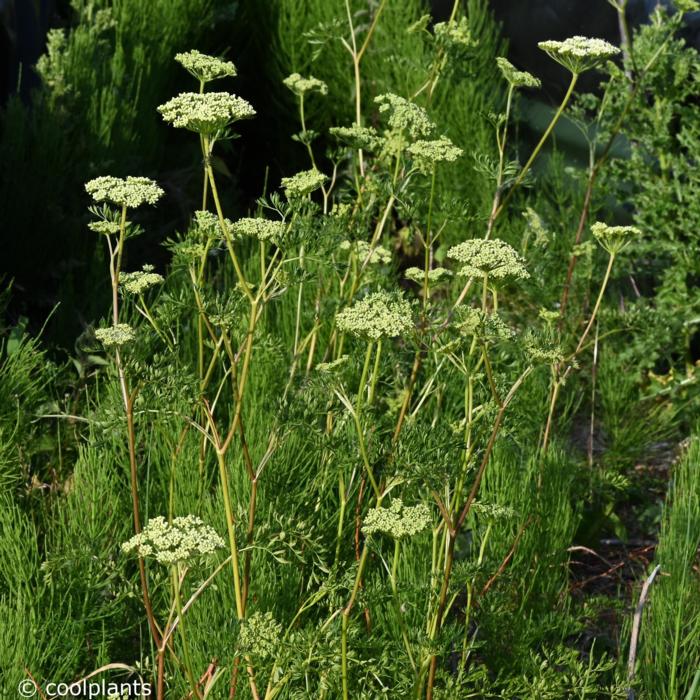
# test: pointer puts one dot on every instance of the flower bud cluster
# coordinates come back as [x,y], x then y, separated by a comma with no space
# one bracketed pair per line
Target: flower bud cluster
[363,250]
[454,35]
[299,85]
[139,281]
[205,113]
[184,539]
[397,521]
[130,192]
[415,274]
[205,68]
[303,183]
[516,78]
[262,229]
[405,116]
[378,315]
[614,238]
[428,153]
[579,53]
[117,335]
[364,137]
[493,257]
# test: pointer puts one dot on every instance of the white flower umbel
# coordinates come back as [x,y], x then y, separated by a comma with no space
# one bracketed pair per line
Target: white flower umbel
[206,225]
[299,85]
[106,228]
[379,315]
[303,183]
[377,256]
[184,539]
[516,78]
[428,153]
[262,229]
[436,275]
[364,137]
[405,116]
[139,281]
[454,34]
[205,68]
[117,335]
[205,113]
[130,192]
[397,521]
[614,238]
[579,53]
[494,258]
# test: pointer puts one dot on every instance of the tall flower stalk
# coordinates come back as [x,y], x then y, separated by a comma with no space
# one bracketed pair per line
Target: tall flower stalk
[124,194]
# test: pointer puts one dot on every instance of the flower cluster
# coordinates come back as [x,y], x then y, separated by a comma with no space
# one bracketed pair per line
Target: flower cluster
[259,636]
[170,543]
[397,521]
[106,228]
[428,153]
[205,68]
[415,274]
[206,113]
[364,137]
[299,86]
[614,238]
[303,183]
[454,35]
[130,192]
[262,229]
[405,116]
[494,258]
[376,316]
[139,281]
[120,334]
[579,53]
[363,250]
[207,224]
[516,78]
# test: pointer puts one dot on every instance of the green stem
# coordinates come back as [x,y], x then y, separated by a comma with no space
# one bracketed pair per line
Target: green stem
[183,636]
[397,603]
[375,373]
[428,240]
[363,379]
[231,529]
[127,399]
[341,516]
[559,381]
[300,294]
[538,147]
[222,222]
[346,617]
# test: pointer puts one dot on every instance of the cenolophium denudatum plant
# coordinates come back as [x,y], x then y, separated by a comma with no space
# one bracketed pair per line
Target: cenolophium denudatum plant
[378,356]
